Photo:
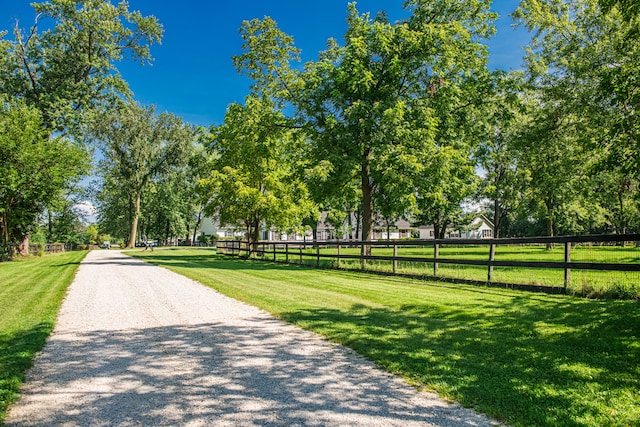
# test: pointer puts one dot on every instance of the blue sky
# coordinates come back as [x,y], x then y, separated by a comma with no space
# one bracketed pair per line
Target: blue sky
[193,76]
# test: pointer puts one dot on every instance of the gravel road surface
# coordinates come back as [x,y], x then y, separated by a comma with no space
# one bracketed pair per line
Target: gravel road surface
[138,345]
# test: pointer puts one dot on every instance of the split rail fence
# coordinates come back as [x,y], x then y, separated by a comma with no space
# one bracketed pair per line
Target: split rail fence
[548,264]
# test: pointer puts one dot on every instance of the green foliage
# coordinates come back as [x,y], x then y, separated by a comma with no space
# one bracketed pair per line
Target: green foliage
[526,359]
[255,171]
[31,292]
[35,172]
[447,181]
[376,108]
[581,64]
[69,67]
[91,235]
[138,145]
[268,52]
[629,8]
[506,177]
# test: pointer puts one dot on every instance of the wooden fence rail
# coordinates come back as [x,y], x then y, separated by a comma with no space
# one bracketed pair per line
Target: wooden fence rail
[48,248]
[296,251]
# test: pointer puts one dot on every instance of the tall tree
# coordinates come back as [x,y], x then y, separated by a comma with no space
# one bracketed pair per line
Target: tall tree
[65,64]
[69,66]
[114,206]
[449,180]
[36,170]
[255,179]
[505,178]
[138,145]
[371,106]
[381,104]
[582,66]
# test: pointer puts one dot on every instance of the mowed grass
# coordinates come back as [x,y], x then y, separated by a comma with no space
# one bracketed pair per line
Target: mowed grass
[31,292]
[526,359]
[588,283]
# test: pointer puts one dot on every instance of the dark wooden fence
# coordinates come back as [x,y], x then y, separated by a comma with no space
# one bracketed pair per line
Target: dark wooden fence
[317,253]
[48,248]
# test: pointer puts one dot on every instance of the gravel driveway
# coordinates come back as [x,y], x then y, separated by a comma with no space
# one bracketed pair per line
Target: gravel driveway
[139,345]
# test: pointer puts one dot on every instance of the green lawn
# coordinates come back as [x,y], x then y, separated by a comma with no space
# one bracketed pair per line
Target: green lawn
[589,283]
[526,359]
[31,292]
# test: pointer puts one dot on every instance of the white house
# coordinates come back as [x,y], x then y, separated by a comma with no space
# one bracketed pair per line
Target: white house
[401,229]
[209,227]
[480,228]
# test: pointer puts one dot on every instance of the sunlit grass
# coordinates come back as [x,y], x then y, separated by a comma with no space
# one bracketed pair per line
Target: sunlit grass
[526,359]
[31,292]
[588,283]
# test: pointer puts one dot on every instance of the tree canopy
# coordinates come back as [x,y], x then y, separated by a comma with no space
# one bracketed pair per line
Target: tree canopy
[255,176]
[62,69]
[138,146]
[375,108]
[69,65]
[35,172]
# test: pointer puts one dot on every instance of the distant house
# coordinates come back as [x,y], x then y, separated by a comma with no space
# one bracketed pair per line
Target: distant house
[209,227]
[480,228]
[401,229]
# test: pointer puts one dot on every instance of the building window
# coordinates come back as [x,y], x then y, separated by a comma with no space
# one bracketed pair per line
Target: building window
[487,234]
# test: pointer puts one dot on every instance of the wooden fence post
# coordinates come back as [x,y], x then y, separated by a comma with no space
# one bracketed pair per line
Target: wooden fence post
[274,252]
[567,259]
[395,259]
[317,255]
[339,247]
[492,254]
[286,252]
[436,248]
[300,254]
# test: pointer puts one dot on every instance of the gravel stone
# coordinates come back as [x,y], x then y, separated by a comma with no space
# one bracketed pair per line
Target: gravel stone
[138,345]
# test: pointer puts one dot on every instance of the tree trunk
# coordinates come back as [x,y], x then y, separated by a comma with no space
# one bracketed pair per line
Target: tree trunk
[255,235]
[4,228]
[167,233]
[195,229]
[24,246]
[50,221]
[367,207]
[439,229]
[550,230]
[134,223]
[496,219]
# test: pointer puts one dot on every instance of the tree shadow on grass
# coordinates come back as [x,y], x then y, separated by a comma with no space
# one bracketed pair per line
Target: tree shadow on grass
[562,364]
[216,374]
[221,262]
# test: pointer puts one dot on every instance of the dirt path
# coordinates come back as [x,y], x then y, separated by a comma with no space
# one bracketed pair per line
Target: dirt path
[138,345]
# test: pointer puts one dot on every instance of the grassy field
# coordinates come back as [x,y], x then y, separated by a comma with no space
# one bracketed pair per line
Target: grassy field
[31,292]
[526,359]
[589,283]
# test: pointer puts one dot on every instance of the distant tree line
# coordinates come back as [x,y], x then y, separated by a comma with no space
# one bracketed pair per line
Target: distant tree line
[395,120]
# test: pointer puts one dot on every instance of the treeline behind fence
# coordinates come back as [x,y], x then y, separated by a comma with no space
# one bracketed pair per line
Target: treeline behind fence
[34,249]
[548,264]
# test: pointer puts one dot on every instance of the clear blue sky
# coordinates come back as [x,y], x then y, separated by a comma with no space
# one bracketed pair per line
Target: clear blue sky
[192,75]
